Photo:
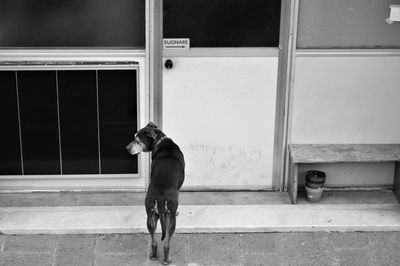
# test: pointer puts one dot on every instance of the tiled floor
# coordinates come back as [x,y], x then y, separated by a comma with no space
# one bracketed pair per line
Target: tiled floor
[373,248]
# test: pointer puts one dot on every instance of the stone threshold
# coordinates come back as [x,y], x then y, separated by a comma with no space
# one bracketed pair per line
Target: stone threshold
[125,198]
[203,219]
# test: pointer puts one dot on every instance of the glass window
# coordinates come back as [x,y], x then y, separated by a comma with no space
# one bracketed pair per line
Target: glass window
[68,121]
[223,23]
[10,156]
[350,24]
[72,23]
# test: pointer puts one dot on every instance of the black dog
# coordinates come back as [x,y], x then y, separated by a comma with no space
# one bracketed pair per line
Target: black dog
[167,176]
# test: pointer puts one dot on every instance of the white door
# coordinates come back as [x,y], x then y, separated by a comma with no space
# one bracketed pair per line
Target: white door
[221,112]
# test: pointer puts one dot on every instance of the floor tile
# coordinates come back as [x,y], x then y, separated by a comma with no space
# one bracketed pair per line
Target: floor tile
[349,240]
[82,257]
[122,243]
[214,249]
[23,259]
[120,260]
[255,259]
[305,249]
[75,250]
[258,243]
[29,243]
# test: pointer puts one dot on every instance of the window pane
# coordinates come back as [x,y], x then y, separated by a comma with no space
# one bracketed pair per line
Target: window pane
[223,23]
[39,122]
[118,120]
[10,156]
[72,23]
[78,121]
[64,113]
[349,24]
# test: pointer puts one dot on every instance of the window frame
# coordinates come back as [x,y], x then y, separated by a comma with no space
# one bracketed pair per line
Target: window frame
[91,59]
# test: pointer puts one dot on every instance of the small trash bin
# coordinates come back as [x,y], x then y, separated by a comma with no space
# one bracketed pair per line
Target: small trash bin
[315,182]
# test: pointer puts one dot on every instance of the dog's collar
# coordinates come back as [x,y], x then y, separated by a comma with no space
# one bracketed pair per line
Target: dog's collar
[158,141]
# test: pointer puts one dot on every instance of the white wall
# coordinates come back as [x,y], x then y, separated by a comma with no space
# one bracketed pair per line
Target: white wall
[221,111]
[348,100]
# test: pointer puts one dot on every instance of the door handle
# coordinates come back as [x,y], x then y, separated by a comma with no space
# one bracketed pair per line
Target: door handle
[168,64]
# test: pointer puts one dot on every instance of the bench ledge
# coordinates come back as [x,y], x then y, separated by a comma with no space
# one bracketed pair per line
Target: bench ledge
[335,153]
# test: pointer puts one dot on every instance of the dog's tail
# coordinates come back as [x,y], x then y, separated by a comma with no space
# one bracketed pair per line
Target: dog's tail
[163,226]
[163,209]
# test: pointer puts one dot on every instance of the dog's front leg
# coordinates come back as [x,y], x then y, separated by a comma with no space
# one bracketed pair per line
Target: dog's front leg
[151,226]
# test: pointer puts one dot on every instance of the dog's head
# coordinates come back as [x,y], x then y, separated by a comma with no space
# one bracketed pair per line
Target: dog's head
[145,139]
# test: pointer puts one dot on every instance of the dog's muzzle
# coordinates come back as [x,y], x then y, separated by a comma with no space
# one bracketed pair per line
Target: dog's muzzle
[134,147]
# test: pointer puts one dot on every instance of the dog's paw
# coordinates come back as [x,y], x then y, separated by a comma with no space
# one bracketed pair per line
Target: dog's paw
[166,262]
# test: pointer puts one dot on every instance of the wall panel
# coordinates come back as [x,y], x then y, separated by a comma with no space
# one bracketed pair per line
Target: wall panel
[346,100]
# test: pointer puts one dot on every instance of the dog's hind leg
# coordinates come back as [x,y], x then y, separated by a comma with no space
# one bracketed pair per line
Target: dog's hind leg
[170,223]
[152,219]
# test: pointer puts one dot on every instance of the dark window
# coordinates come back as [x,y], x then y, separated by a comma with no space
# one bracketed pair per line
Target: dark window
[10,155]
[223,23]
[72,23]
[78,122]
[61,116]
[39,122]
[349,24]
[118,112]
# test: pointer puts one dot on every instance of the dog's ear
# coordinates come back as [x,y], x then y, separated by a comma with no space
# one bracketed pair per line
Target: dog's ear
[151,124]
[152,133]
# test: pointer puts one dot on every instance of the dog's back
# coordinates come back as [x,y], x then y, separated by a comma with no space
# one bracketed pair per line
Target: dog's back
[168,166]
[167,176]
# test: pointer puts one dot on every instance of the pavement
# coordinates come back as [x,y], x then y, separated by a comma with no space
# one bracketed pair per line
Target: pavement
[313,248]
[316,247]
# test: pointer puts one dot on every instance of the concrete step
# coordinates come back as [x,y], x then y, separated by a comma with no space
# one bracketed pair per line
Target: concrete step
[202,219]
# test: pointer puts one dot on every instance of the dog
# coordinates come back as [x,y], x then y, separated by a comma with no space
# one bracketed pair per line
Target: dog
[166,178]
